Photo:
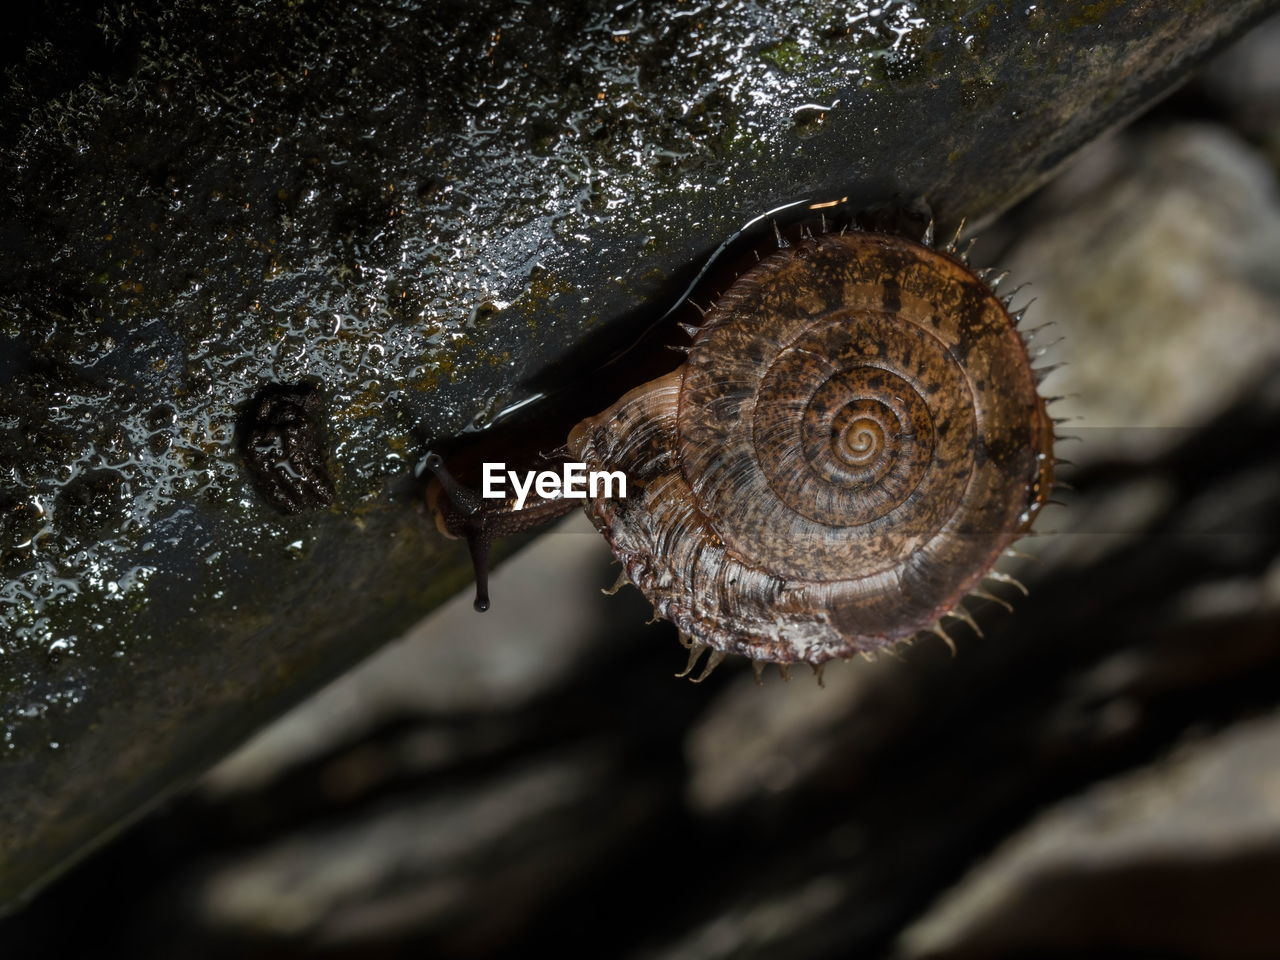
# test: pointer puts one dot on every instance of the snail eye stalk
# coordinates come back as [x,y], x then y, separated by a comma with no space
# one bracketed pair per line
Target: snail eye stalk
[462,514]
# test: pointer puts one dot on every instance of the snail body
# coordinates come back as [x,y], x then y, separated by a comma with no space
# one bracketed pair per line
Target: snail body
[854,439]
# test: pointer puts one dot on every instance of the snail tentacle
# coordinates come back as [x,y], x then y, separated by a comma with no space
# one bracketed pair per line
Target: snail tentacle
[461,513]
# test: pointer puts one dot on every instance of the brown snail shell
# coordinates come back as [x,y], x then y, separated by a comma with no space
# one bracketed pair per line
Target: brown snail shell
[855,439]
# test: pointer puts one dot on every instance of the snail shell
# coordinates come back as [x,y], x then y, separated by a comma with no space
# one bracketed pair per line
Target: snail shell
[855,439]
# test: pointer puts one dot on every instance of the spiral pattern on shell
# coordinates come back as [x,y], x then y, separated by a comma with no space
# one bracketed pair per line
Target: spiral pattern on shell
[855,438]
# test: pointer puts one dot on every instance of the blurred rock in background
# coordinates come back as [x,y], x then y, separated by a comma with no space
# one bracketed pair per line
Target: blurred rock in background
[1178,859]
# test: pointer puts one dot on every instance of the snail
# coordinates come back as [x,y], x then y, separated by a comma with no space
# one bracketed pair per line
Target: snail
[854,439]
